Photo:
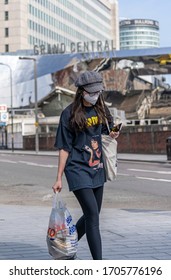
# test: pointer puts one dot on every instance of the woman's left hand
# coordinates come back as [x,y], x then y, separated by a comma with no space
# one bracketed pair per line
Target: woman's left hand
[114,134]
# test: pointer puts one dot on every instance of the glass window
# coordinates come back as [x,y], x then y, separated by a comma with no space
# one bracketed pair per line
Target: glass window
[52,128]
[6,32]
[6,48]
[6,15]
[43,128]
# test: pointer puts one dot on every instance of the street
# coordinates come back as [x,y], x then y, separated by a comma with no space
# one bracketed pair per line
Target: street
[135,217]
[28,180]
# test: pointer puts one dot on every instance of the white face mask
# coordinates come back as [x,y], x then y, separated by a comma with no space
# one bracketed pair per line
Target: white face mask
[91,99]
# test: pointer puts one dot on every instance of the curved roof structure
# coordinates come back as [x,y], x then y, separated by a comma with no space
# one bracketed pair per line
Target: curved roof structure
[143,62]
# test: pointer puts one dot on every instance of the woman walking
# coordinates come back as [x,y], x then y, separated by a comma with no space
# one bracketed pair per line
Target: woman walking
[78,140]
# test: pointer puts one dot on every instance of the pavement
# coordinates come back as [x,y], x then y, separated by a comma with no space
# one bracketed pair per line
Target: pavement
[127,234]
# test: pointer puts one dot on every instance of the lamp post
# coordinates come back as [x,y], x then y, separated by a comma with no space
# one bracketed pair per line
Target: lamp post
[35,104]
[12,117]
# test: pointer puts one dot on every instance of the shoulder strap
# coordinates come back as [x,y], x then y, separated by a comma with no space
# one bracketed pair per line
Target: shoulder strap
[106,120]
[107,124]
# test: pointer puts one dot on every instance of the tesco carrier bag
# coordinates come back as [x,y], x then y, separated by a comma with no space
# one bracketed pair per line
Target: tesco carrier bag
[62,238]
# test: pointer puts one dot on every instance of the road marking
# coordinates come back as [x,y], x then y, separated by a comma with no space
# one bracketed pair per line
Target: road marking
[7,161]
[153,179]
[152,171]
[38,165]
[123,174]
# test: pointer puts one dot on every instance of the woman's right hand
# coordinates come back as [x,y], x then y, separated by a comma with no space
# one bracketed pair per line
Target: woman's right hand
[57,187]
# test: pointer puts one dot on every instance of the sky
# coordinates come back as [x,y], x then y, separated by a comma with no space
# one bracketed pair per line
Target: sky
[159,10]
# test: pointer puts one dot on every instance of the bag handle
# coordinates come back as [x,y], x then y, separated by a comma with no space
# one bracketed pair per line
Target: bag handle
[107,124]
[57,201]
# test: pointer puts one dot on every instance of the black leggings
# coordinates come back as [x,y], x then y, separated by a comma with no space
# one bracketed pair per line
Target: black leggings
[90,201]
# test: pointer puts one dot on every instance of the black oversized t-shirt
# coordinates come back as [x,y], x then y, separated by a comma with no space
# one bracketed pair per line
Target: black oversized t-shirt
[84,167]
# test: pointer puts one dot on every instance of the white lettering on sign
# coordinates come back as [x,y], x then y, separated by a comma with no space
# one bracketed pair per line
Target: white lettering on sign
[139,22]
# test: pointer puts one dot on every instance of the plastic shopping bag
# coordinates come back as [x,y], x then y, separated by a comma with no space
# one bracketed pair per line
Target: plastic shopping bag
[62,238]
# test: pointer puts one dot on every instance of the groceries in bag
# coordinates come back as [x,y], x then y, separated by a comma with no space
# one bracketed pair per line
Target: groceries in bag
[62,238]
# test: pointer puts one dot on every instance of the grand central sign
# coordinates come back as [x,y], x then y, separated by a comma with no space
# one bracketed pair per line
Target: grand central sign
[78,47]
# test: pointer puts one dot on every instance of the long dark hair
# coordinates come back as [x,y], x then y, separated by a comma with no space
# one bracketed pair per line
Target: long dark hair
[78,113]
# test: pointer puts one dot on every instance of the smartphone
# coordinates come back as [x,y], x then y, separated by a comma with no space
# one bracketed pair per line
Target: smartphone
[117,128]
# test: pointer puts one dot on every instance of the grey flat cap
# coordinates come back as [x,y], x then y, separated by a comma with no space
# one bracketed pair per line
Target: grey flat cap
[91,81]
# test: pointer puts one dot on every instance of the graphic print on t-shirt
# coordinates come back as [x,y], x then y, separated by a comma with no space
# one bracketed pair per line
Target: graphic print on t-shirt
[94,146]
[95,153]
[92,121]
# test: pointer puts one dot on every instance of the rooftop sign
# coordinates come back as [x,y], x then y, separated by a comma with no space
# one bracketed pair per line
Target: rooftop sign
[139,22]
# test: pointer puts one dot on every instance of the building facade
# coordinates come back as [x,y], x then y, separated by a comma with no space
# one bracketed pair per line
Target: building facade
[58,25]
[139,34]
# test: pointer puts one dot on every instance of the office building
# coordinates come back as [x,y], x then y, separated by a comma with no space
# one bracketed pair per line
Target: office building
[139,34]
[58,26]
